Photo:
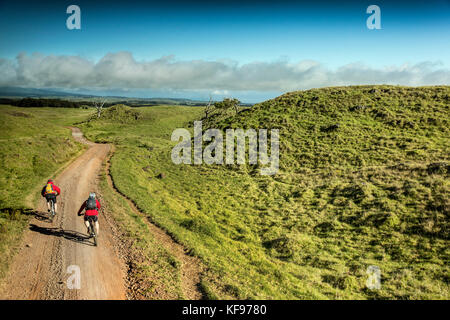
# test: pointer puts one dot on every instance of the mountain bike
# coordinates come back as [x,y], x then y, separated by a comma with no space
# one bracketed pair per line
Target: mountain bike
[92,231]
[52,209]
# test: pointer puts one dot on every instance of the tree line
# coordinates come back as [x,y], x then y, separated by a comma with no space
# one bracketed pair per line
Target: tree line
[52,103]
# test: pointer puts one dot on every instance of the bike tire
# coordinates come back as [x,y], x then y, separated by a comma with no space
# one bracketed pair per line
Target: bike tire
[52,210]
[94,233]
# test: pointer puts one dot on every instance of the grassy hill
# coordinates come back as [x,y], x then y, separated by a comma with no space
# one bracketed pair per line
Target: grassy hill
[363,181]
[354,126]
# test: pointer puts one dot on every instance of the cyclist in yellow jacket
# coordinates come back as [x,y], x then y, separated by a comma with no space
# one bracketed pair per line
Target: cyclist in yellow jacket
[50,192]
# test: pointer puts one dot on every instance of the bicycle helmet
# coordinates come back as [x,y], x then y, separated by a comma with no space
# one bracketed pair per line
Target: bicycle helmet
[49,180]
[92,195]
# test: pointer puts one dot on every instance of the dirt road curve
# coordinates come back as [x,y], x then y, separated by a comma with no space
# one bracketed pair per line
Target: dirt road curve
[40,270]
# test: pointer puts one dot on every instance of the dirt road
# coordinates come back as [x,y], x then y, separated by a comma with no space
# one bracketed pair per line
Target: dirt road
[53,252]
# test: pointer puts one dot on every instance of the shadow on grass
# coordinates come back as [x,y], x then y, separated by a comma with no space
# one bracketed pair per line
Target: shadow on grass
[41,216]
[66,234]
[15,213]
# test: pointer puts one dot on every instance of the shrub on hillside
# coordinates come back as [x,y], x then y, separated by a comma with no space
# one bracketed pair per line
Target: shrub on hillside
[119,113]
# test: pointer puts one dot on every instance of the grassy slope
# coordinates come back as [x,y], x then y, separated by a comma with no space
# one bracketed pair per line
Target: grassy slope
[367,193]
[33,145]
[153,271]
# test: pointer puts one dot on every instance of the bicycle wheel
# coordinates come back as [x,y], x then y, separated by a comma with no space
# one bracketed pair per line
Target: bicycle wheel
[52,210]
[94,233]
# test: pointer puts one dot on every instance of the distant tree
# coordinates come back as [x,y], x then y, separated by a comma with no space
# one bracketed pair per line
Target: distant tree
[228,103]
[209,107]
[98,104]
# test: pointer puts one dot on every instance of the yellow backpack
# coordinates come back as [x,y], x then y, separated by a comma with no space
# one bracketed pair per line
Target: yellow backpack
[49,189]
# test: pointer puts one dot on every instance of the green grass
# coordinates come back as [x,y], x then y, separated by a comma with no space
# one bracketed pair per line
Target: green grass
[153,271]
[367,193]
[33,145]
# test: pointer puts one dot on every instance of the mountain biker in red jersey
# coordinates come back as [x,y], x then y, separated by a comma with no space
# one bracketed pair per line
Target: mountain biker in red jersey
[50,191]
[92,205]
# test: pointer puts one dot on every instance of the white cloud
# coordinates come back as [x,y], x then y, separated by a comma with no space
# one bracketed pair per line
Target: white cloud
[221,92]
[121,70]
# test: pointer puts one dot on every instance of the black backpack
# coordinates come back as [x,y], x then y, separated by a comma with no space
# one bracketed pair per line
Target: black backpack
[91,204]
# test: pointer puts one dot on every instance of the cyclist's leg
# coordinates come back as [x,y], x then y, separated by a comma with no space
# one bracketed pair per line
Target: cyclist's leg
[96,226]
[54,203]
[48,203]
[86,223]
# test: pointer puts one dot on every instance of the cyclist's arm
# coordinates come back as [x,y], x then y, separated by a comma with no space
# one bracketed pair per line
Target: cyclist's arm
[82,208]
[57,189]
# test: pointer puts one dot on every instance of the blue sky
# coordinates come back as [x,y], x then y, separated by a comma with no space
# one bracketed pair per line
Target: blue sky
[326,37]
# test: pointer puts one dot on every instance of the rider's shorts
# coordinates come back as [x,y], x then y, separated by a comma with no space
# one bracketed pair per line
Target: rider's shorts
[50,196]
[92,218]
